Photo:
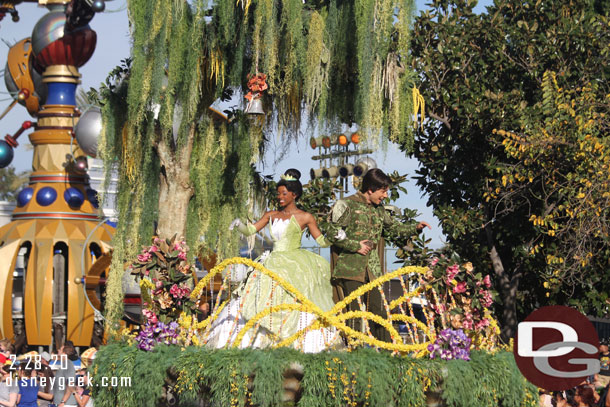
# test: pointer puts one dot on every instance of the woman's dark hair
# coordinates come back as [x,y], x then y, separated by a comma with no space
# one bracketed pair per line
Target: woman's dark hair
[586,395]
[293,186]
[26,368]
[375,179]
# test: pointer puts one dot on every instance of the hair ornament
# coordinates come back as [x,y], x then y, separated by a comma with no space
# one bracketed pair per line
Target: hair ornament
[288,178]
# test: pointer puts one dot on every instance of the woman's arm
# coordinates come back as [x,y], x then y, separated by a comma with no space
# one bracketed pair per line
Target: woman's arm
[12,400]
[312,225]
[264,220]
[248,229]
[46,396]
[81,400]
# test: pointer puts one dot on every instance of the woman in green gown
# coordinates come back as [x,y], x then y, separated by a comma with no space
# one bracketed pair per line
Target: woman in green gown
[309,273]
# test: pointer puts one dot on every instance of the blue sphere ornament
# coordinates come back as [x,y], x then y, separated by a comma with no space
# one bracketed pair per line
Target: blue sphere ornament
[92,197]
[25,196]
[98,6]
[74,197]
[46,196]
[6,154]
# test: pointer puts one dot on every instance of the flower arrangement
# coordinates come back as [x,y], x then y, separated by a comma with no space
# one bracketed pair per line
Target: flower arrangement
[257,84]
[460,297]
[152,334]
[166,280]
[450,344]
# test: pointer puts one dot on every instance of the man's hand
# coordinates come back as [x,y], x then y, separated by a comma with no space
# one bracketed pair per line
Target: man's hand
[365,247]
[421,225]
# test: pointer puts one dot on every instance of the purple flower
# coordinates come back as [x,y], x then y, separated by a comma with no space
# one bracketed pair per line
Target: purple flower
[451,344]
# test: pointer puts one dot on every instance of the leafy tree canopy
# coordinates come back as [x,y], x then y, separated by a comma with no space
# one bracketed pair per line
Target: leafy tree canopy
[481,73]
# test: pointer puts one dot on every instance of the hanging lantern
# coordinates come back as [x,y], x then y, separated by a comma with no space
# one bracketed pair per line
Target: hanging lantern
[257,84]
[254,106]
[343,141]
[355,138]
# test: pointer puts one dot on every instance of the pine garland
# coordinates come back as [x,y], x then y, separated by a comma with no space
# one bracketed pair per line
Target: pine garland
[362,377]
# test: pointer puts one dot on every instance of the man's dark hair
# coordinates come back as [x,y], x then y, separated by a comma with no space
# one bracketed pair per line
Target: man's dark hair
[375,179]
[70,351]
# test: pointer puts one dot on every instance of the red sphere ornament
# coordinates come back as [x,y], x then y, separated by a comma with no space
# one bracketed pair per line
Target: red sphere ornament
[75,48]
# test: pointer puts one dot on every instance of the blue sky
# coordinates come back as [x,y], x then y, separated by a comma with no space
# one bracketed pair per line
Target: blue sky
[113,43]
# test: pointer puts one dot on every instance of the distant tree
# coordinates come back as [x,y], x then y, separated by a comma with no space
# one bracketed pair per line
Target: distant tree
[561,174]
[484,72]
[10,183]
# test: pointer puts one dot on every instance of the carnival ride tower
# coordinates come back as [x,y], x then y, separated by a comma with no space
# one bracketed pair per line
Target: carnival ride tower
[56,225]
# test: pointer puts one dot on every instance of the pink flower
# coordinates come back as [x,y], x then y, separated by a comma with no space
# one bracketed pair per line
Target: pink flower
[153,249]
[452,271]
[182,255]
[487,298]
[487,281]
[143,258]
[467,324]
[433,262]
[151,317]
[482,323]
[460,288]
[175,291]
[158,284]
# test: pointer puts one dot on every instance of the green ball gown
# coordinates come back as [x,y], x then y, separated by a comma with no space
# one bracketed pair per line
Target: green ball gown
[308,272]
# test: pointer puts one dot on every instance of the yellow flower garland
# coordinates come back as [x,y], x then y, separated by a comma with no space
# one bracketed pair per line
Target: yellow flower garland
[336,316]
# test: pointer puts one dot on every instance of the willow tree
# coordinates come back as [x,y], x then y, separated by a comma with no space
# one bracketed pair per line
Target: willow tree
[333,61]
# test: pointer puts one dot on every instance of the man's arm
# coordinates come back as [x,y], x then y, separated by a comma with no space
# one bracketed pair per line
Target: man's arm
[393,226]
[339,218]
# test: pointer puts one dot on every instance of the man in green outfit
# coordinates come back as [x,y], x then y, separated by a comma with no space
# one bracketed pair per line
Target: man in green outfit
[357,225]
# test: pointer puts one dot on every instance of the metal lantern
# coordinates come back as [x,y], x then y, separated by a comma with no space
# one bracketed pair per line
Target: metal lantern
[88,130]
[255,106]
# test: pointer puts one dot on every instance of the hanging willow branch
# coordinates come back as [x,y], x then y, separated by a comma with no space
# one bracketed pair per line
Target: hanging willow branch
[189,174]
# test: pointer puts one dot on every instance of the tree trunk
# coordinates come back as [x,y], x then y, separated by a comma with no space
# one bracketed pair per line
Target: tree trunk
[507,288]
[175,190]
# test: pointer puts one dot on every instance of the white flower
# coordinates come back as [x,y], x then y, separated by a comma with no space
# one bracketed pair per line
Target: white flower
[341,235]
